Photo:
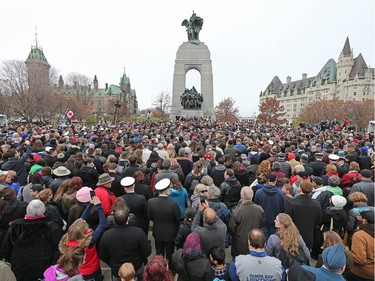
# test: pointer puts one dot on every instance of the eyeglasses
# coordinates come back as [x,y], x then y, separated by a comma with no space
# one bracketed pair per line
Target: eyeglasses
[202,191]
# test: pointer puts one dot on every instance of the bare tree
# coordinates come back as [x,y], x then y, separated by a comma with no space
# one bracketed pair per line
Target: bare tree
[81,86]
[53,76]
[15,90]
[162,103]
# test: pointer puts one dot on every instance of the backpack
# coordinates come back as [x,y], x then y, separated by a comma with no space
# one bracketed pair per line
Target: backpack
[122,165]
[223,213]
[194,182]
[289,260]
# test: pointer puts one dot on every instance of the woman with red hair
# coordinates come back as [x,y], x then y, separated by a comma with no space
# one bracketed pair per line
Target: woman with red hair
[157,270]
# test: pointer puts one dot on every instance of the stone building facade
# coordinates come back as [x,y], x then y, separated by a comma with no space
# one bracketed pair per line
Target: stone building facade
[99,99]
[347,79]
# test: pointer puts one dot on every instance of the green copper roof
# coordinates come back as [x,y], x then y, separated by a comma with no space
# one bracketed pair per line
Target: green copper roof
[132,93]
[115,90]
[328,72]
[36,54]
[124,79]
[99,92]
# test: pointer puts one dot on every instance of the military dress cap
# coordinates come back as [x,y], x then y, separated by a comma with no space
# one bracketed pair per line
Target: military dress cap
[127,181]
[162,184]
[333,157]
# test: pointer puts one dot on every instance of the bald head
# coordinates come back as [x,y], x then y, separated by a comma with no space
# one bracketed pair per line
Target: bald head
[209,216]
[256,239]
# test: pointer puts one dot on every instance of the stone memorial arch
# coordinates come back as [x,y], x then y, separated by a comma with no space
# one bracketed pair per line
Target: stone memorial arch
[193,54]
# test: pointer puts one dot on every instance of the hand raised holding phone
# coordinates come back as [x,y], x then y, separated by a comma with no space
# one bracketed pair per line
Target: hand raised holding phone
[203,204]
[95,200]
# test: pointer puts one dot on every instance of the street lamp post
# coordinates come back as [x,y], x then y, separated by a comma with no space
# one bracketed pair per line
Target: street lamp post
[117,106]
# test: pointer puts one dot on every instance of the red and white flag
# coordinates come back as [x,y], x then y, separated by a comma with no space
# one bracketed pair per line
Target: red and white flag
[69,113]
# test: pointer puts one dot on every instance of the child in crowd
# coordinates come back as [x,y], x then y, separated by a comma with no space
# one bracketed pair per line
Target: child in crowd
[220,268]
[126,272]
[185,228]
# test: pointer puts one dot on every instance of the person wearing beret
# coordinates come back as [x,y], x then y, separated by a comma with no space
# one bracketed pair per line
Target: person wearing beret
[334,262]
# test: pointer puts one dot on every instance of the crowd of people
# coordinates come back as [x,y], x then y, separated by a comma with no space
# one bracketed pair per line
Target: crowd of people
[279,197]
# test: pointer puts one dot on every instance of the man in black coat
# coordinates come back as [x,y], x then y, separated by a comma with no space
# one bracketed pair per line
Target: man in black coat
[31,244]
[124,243]
[305,212]
[136,203]
[17,163]
[51,156]
[116,187]
[318,165]
[88,173]
[165,214]
[132,167]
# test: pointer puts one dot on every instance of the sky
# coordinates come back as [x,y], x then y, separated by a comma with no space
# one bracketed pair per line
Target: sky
[250,41]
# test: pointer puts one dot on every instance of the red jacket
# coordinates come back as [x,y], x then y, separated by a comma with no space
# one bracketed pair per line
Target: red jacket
[107,198]
[348,179]
[92,262]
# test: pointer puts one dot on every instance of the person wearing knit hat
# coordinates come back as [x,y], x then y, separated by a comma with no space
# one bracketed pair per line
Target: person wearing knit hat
[189,261]
[335,217]
[83,194]
[334,261]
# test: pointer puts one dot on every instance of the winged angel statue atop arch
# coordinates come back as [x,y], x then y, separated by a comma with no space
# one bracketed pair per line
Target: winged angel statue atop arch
[193,27]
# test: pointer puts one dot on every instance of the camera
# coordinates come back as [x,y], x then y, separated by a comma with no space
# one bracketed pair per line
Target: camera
[92,193]
[202,199]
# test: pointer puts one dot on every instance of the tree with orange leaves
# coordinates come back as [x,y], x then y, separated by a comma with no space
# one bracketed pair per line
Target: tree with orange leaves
[225,111]
[271,112]
[359,113]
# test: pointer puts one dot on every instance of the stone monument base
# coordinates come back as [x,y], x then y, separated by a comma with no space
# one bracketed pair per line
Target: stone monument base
[190,113]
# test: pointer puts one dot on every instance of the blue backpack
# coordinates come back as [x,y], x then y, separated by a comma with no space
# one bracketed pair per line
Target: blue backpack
[223,213]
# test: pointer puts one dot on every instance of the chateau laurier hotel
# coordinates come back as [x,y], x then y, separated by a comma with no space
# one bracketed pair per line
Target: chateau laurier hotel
[348,79]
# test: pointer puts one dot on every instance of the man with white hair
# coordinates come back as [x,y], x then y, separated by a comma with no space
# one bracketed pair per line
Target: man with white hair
[31,244]
[163,154]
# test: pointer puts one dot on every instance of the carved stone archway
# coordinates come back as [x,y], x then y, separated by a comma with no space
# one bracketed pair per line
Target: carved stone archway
[190,56]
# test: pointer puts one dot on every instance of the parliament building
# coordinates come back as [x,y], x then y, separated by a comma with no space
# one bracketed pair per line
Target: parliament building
[347,79]
[99,99]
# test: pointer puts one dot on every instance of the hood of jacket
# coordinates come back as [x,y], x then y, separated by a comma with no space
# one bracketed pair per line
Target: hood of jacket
[368,228]
[53,273]
[11,207]
[27,231]
[269,189]
[336,213]
[231,180]
[219,168]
